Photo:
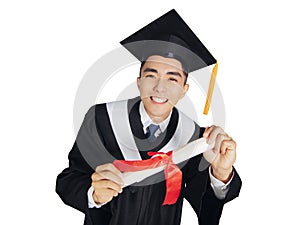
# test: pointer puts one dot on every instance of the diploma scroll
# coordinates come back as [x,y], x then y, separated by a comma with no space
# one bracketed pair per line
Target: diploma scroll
[179,155]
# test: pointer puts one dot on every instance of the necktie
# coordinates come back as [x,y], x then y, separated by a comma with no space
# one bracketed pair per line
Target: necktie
[151,131]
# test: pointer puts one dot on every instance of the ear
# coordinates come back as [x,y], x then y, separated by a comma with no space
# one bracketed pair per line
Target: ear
[138,81]
[185,89]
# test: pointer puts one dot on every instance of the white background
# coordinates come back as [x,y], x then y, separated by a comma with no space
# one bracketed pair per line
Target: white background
[47,46]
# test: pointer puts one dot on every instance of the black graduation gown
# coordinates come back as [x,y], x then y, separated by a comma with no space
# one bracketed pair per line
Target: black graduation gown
[141,204]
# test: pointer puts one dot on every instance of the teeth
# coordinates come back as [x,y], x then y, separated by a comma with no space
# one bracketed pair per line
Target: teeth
[159,100]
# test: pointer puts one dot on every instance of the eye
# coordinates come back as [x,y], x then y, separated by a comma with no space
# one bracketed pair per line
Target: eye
[150,76]
[173,79]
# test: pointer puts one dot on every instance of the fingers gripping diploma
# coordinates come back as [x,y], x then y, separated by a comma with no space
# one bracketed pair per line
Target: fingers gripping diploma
[223,155]
[107,183]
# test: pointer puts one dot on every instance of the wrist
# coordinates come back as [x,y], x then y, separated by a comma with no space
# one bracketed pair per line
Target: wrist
[223,175]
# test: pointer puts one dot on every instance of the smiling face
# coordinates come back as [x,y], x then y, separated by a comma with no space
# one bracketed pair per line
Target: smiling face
[161,86]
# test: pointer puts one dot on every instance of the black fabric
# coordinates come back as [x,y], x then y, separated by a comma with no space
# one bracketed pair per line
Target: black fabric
[169,36]
[140,137]
[105,131]
[141,204]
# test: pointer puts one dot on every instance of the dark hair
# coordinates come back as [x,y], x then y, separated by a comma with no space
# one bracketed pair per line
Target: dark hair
[143,62]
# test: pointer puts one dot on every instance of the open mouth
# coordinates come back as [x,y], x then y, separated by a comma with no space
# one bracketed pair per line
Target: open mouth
[158,100]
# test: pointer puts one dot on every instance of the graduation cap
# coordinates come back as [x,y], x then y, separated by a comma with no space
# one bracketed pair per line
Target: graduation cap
[171,37]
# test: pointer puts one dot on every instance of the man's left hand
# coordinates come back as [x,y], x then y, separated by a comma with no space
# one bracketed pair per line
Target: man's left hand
[225,150]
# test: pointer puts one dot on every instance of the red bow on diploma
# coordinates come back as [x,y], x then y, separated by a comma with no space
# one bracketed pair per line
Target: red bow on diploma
[173,174]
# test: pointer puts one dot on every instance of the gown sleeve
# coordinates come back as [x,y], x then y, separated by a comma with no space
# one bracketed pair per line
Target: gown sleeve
[72,183]
[199,193]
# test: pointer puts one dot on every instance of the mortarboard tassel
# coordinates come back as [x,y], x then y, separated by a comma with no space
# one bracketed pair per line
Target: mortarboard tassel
[210,88]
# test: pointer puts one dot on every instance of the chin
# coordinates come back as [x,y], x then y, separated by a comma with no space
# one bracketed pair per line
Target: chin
[156,112]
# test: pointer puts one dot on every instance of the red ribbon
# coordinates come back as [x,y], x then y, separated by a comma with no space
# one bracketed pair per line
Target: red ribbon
[173,174]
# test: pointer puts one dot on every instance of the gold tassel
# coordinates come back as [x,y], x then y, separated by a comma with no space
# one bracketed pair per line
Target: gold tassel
[210,88]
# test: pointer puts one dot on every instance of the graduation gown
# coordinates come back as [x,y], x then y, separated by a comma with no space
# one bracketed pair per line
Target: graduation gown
[139,204]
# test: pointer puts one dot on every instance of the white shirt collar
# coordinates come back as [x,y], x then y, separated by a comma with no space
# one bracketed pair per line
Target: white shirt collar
[146,121]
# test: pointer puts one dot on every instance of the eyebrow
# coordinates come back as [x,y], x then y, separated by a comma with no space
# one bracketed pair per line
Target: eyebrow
[174,73]
[150,70]
[155,71]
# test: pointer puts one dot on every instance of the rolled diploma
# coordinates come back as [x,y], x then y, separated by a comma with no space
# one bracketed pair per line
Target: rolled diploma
[179,155]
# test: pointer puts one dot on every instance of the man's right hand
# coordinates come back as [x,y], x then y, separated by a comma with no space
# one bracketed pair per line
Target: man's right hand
[107,183]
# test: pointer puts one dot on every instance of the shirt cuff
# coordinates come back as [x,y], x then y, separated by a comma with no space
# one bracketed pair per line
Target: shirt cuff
[91,202]
[220,188]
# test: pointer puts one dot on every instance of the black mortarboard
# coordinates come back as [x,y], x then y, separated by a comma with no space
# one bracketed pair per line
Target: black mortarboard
[170,36]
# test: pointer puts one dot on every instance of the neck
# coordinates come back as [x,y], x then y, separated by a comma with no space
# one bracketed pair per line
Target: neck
[158,119]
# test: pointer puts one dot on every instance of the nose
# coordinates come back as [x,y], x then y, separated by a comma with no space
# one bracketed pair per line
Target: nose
[160,85]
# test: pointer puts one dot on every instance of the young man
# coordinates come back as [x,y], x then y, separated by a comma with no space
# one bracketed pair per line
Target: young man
[131,128]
